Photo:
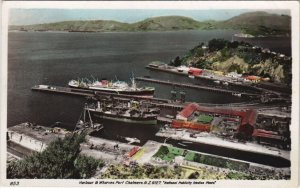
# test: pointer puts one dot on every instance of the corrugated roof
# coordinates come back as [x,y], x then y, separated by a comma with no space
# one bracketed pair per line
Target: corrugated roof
[248,116]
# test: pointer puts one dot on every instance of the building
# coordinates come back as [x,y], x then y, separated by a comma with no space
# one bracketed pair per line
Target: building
[183,69]
[195,71]
[201,118]
[254,79]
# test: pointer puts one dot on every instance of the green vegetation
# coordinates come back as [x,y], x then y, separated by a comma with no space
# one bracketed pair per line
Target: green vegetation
[169,153]
[190,156]
[254,23]
[216,161]
[239,176]
[205,119]
[136,171]
[240,57]
[61,159]
[259,23]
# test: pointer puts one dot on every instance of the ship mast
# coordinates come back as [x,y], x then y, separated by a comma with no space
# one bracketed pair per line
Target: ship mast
[133,84]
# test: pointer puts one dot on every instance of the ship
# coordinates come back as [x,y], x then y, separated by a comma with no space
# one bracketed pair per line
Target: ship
[119,87]
[136,112]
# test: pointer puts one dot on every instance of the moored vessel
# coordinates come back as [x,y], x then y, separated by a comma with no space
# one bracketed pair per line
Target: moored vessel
[119,87]
[136,112]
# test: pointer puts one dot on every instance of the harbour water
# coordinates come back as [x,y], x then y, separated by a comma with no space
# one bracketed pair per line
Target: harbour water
[55,58]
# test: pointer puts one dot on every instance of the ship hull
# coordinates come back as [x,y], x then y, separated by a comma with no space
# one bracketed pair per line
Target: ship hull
[120,118]
[137,92]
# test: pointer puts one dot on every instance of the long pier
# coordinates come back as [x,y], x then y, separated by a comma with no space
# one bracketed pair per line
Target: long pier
[195,87]
[91,93]
[63,90]
[163,103]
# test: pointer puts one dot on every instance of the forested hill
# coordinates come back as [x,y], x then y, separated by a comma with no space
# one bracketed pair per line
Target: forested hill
[240,57]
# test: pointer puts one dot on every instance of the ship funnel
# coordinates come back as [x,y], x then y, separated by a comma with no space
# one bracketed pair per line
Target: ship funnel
[128,104]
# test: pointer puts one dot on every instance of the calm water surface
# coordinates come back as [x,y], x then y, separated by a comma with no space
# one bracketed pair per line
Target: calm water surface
[55,58]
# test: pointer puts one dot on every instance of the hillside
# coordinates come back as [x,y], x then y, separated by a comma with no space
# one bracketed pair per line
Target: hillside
[254,23]
[240,57]
[167,23]
[94,25]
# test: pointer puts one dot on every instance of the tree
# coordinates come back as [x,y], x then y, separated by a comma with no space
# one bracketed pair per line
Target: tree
[217,44]
[60,159]
[194,175]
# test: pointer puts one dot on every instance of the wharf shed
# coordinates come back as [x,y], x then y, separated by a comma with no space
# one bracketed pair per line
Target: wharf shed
[247,123]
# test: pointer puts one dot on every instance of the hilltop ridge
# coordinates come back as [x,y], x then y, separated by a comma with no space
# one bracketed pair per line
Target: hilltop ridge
[254,23]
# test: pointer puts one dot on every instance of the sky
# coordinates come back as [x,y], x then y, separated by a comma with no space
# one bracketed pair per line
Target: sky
[39,16]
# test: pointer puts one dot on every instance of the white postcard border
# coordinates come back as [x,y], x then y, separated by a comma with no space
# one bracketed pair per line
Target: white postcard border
[292,5]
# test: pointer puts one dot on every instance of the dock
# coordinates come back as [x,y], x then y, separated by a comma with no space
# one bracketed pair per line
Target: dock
[63,90]
[91,93]
[193,86]
[209,139]
[259,87]
[159,102]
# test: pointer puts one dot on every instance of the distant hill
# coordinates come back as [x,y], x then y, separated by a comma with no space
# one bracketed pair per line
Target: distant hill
[94,25]
[254,23]
[257,23]
[167,23]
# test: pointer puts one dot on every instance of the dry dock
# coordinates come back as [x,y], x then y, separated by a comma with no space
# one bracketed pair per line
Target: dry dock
[209,139]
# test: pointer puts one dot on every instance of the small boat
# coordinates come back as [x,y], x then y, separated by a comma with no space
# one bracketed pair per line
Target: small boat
[132,140]
[237,94]
[187,142]
[225,83]
[182,144]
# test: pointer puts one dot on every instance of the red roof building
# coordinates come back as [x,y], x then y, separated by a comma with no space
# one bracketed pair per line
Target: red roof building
[195,71]
[248,117]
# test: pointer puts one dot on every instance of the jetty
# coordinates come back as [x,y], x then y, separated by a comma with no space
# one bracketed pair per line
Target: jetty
[91,93]
[159,102]
[193,86]
[277,89]
[63,90]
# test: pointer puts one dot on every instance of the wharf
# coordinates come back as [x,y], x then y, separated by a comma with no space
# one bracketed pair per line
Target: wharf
[90,93]
[212,89]
[164,103]
[260,87]
[35,138]
[159,102]
[100,148]
[63,90]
